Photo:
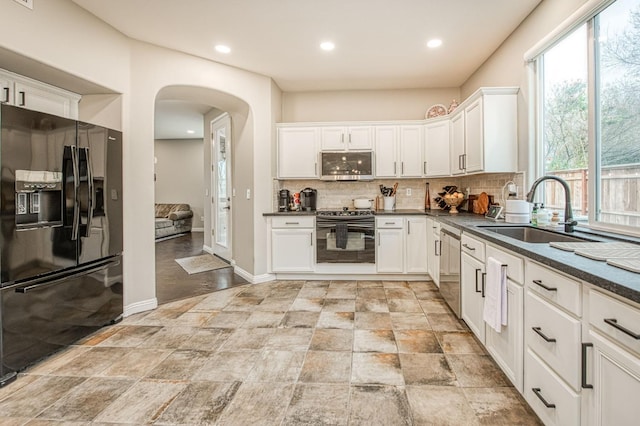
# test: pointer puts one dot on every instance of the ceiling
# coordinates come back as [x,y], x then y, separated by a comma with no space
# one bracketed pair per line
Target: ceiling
[380,44]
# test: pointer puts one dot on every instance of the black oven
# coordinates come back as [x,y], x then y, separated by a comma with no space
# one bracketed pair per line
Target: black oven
[345,238]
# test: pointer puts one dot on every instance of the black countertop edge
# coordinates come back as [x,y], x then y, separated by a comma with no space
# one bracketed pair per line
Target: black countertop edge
[396,212]
[309,213]
[598,273]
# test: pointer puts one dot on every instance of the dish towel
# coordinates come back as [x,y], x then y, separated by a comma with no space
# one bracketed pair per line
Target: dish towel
[495,300]
[342,235]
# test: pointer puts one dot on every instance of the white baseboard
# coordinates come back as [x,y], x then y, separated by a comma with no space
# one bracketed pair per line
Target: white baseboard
[351,277]
[142,306]
[207,249]
[253,279]
[197,229]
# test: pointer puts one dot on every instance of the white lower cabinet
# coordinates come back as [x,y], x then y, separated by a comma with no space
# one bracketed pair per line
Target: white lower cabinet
[434,250]
[616,384]
[472,294]
[416,256]
[390,250]
[549,396]
[292,244]
[507,346]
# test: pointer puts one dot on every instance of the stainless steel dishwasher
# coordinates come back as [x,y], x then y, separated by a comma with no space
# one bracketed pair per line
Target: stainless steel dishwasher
[450,266]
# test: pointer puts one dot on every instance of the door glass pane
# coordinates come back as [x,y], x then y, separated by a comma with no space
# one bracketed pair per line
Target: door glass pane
[222,225]
[565,122]
[618,118]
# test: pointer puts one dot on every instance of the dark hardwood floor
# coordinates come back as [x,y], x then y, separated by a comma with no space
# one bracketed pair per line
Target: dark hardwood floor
[173,283]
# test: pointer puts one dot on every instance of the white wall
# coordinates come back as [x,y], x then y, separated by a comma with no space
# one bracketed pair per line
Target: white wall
[179,174]
[363,105]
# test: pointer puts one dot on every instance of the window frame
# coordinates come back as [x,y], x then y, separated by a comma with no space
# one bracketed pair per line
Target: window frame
[588,15]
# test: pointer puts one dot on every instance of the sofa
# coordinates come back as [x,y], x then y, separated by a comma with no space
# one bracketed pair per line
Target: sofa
[173,219]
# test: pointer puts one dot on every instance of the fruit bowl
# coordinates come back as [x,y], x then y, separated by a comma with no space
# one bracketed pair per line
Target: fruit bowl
[453,201]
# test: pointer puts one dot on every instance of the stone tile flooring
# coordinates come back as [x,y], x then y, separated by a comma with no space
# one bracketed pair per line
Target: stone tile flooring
[280,353]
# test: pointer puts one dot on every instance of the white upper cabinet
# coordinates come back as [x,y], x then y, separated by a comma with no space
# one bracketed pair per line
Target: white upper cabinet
[297,152]
[34,95]
[386,148]
[436,149]
[341,138]
[411,150]
[484,133]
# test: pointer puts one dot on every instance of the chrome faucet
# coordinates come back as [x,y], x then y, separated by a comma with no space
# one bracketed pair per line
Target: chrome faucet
[569,223]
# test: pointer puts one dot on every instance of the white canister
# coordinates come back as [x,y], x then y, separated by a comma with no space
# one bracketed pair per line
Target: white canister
[518,206]
[389,203]
[517,217]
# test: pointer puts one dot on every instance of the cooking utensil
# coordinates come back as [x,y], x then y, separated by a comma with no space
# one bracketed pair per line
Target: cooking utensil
[395,188]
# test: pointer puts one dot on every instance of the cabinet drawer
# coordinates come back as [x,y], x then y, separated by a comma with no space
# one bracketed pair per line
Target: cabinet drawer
[566,403]
[473,247]
[554,336]
[389,222]
[515,265]
[616,319]
[555,287]
[293,222]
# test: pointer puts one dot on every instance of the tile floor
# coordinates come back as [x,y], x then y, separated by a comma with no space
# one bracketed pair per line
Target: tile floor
[280,353]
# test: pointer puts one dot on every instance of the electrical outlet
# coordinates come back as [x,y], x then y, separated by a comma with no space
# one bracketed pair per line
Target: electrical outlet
[248,194]
[408,192]
[25,3]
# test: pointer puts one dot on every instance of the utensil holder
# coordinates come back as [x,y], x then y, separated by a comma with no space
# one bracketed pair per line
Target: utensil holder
[389,203]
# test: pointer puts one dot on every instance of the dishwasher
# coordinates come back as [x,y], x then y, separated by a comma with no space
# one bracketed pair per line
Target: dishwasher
[450,267]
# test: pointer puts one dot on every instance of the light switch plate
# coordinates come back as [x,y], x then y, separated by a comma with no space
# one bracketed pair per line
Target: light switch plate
[25,3]
[248,194]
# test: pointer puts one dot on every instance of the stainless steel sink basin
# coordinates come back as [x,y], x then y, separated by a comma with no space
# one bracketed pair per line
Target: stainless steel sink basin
[529,234]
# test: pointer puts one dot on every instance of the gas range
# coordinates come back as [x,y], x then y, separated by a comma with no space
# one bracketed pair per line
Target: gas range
[347,213]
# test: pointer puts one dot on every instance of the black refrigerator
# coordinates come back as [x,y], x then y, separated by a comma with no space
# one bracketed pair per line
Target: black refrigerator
[60,234]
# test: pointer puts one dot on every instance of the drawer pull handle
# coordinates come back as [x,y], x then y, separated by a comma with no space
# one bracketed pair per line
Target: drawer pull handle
[585,385]
[469,248]
[477,270]
[484,282]
[6,95]
[389,223]
[292,223]
[539,282]
[539,332]
[544,401]
[614,323]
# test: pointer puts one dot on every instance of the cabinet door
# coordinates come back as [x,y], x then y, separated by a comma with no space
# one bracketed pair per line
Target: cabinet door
[6,90]
[389,250]
[38,98]
[471,281]
[360,138]
[431,250]
[297,152]
[385,151]
[616,384]
[416,256]
[474,137]
[507,346]
[436,149]
[411,151]
[292,250]
[457,144]
[333,138]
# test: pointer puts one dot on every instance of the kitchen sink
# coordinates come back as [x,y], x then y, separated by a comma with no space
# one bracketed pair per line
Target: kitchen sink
[529,234]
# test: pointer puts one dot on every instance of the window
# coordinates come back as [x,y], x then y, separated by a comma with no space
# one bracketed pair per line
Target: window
[590,118]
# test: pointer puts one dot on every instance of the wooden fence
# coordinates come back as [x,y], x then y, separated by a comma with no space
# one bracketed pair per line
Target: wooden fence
[620,193]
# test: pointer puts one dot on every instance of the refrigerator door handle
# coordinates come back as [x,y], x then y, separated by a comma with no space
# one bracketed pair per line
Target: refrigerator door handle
[90,193]
[76,183]
[51,280]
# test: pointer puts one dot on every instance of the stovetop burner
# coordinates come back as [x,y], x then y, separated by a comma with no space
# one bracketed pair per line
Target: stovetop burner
[345,212]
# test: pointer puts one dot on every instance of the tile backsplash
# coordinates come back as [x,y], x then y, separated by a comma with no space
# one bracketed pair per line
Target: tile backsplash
[335,195]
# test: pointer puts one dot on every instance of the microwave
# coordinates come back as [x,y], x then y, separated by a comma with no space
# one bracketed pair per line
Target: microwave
[346,165]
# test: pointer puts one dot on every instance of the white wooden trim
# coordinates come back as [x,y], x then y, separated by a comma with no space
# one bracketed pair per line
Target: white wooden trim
[142,306]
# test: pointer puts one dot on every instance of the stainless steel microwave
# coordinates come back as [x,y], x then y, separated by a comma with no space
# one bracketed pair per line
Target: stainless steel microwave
[346,165]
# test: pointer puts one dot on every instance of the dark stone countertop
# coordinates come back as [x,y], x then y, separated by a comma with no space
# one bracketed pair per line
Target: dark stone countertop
[600,274]
[302,213]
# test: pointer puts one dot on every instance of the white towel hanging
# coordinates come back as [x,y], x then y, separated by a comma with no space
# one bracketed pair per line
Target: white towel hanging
[495,302]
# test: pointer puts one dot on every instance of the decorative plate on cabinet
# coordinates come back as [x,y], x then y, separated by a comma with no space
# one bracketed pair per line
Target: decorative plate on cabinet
[436,111]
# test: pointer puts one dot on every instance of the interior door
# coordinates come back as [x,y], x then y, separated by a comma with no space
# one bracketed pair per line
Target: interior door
[221,187]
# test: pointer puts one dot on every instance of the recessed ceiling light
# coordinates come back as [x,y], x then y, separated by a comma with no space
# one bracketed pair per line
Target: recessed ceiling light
[222,48]
[327,45]
[436,42]
[191,131]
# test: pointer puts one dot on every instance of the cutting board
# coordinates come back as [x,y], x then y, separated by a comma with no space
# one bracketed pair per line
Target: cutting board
[632,265]
[591,245]
[609,253]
